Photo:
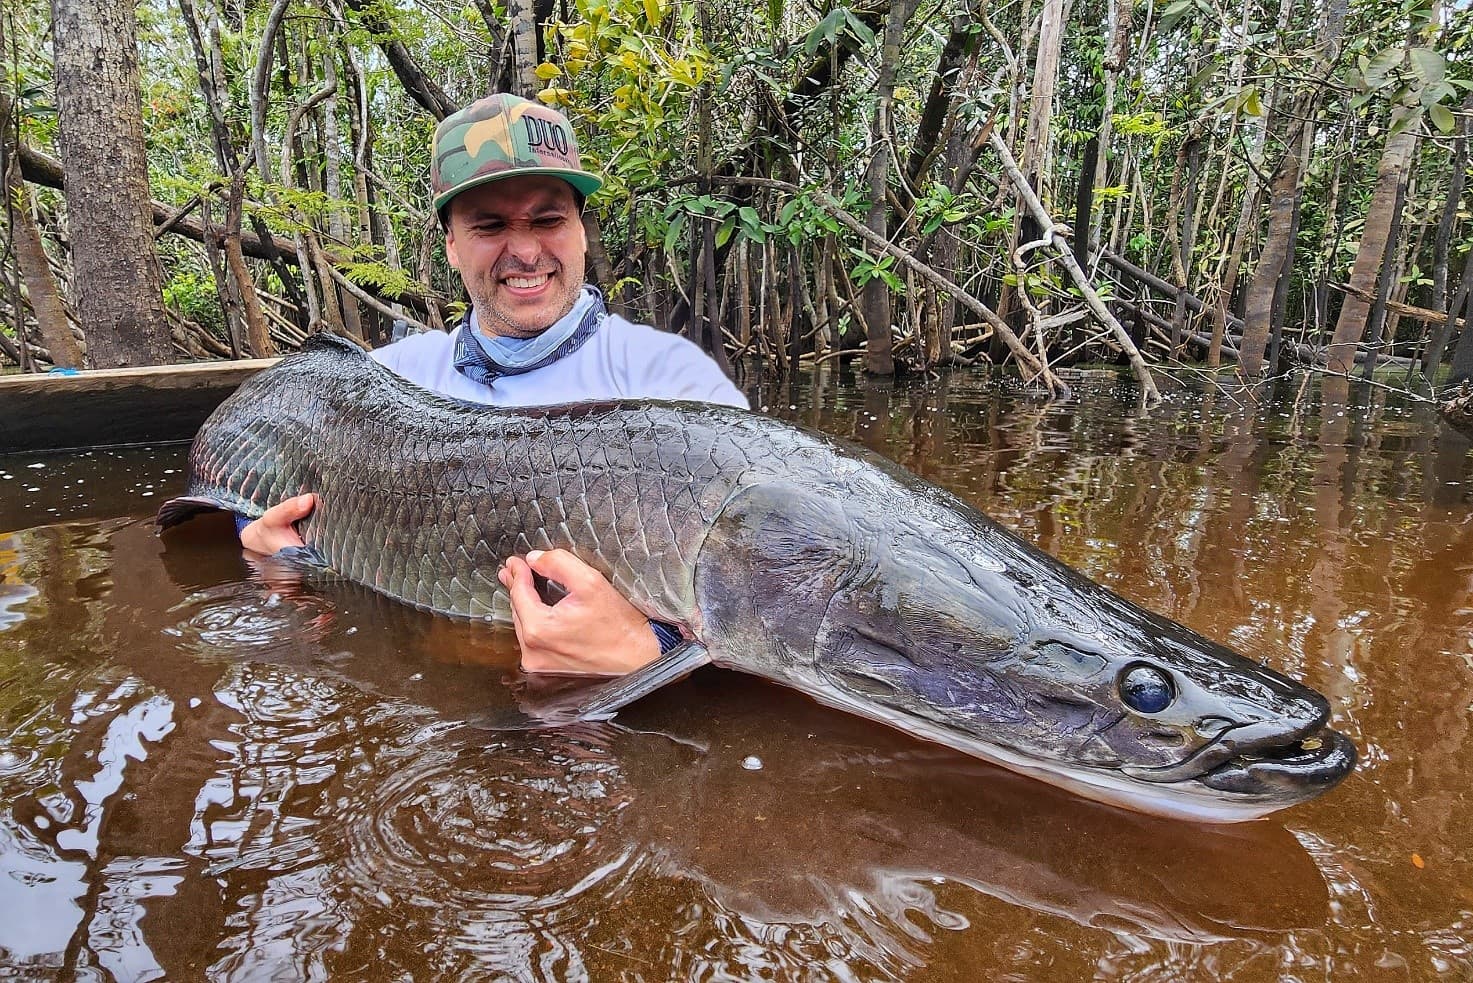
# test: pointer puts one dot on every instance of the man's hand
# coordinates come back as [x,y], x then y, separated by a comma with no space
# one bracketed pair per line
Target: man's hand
[593,630]
[275,529]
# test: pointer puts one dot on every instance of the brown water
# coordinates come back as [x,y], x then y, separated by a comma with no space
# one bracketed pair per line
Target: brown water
[204,776]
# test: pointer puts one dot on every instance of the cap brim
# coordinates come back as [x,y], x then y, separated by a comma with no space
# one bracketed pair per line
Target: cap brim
[586,183]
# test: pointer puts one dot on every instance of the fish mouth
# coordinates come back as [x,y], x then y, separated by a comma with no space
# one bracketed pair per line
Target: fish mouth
[1261,760]
[1306,767]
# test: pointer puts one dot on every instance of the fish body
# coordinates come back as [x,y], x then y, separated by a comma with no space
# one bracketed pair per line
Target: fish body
[779,552]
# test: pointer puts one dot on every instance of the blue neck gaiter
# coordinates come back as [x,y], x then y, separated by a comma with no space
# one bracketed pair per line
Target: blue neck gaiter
[485,359]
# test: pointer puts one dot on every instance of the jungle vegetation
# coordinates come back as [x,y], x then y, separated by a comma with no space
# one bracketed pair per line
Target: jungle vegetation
[1173,184]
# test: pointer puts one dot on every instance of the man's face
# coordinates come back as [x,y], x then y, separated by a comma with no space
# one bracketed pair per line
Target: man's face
[518,244]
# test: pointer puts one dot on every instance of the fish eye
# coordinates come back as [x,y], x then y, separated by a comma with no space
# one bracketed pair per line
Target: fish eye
[1146,689]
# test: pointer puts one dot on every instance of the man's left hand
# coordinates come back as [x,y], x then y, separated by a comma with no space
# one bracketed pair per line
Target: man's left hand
[593,630]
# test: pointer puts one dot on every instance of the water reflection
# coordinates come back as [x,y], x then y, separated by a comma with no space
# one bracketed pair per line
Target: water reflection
[857,814]
[208,772]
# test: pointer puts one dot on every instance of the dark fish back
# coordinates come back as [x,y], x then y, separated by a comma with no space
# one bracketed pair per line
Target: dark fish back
[422,497]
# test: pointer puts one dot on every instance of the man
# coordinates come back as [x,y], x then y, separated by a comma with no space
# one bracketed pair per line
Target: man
[509,188]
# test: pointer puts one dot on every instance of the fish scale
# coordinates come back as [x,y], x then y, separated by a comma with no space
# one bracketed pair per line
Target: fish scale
[422,497]
[780,552]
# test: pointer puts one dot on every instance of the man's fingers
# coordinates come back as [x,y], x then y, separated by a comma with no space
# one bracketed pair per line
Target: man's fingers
[294,509]
[276,528]
[522,587]
[565,568]
[595,629]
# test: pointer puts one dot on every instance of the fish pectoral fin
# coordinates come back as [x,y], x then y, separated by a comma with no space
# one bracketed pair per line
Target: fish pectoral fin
[292,567]
[600,700]
[303,557]
[617,693]
[184,507]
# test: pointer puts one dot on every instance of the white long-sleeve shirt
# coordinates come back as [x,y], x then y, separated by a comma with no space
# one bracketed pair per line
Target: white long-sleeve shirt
[622,360]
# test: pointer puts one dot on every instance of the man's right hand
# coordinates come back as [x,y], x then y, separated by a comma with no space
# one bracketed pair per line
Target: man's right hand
[276,529]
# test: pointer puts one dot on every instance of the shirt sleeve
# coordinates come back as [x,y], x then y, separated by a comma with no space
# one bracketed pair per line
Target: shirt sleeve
[675,368]
[388,355]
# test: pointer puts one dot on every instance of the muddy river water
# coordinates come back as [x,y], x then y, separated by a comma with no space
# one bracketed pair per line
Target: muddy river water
[207,773]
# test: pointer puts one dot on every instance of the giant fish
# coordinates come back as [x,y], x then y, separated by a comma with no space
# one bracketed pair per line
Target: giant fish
[779,552]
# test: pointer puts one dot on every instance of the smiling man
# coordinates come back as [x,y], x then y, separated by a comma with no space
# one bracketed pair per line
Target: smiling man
[509,188]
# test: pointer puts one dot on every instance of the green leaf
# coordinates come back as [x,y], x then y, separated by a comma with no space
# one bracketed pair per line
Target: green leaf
[1442,118]
[1205,75]
[1437,92]
[1248,101]
[1173,13]
[1427,65]
[858,28]
[673,232]
[824,31]
[1378,70]
[723,234]
[1404,122]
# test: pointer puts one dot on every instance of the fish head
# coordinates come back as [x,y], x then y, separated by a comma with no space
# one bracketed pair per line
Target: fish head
[931,618]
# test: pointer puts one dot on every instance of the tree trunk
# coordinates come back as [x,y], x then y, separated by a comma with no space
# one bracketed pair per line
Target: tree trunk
[1179,223]
[1336,209]
[601,266]
[118,286]
[1365,275]
[421,87]
[938,113]
[30,256]
[211,87]
[1281,289]
[1462,363]
[1084,199]
[1389,266]
[1247,222]
[258,333]
[1119,25]
[332,181]
[1037,147]
[1438,345]
[879,356]
[35,273]
[523,19]
[1258,306]
[1449,215]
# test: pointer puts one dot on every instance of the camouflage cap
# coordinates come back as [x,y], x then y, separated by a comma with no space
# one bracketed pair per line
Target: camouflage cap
[504,136]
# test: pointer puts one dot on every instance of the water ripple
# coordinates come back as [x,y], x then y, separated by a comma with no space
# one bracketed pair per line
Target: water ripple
[515,825]
[241,618]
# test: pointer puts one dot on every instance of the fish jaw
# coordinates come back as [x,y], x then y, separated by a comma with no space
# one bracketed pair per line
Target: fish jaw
[1252,768]
[1238,790]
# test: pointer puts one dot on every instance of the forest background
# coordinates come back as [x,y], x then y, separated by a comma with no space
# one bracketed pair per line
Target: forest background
[1172,184]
